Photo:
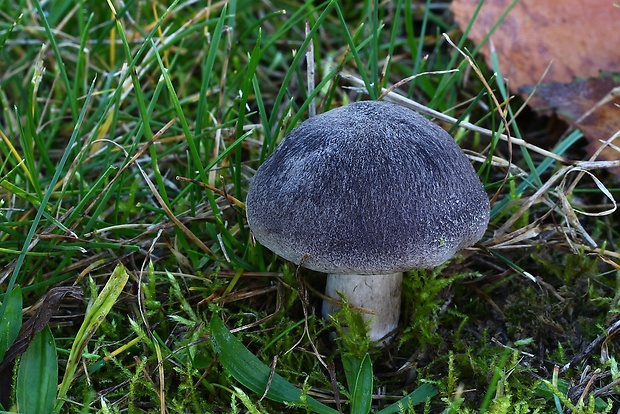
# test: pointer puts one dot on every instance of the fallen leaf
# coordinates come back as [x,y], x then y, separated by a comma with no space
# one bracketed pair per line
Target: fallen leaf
[575,40]
[592,105]
[578,37]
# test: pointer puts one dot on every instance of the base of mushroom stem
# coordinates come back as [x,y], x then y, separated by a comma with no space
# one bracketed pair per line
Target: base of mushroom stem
[379,294]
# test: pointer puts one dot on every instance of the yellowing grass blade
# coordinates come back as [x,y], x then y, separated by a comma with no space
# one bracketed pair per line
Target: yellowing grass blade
[94,316]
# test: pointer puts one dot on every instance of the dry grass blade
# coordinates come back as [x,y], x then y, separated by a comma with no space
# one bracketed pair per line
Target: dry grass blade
[498,106]
[311,71]
[410,78]
[594,157]
[133,159]
[216,190]
[539,195]
[171,215]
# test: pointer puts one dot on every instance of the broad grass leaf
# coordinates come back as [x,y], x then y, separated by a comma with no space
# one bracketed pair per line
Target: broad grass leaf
[37,375]
[421,394]
[246,368]
[362,394]
[351,367]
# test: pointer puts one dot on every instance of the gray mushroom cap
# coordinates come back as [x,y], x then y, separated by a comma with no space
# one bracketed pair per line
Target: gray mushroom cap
[367,188]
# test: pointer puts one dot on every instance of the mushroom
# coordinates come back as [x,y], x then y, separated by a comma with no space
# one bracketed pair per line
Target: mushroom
[365,192]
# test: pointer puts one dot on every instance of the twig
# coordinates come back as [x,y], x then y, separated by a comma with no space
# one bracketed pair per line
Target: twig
[612,330]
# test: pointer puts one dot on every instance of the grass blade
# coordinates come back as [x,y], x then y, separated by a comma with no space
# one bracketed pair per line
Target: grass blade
[370,87]
[351,365]
[11,322]
[59,58]
[491,391]
[46,198]
[246,368]
[421,394]
[37,376]
[205,84]
[362,394]
[298,56]
[245,92]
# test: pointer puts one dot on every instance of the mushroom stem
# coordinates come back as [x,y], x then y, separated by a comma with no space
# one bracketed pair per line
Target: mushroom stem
[377,293]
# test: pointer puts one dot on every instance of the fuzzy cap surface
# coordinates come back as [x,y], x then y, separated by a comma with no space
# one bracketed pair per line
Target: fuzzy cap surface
[367,188]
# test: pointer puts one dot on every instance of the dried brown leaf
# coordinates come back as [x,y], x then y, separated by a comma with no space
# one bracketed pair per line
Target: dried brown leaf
[575,40]
[578,36]
[592,105]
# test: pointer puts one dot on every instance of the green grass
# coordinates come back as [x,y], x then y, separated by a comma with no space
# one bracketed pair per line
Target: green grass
[128,136]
